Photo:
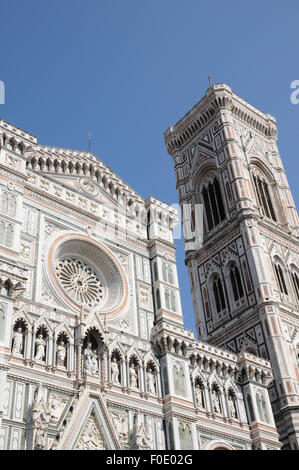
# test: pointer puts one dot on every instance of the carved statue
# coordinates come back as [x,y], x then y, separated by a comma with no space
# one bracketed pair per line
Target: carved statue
[17,341]
[114,371]
[232,406]
[133,376]
[151,381]
[199,397]
[88,355]
[91,360]
[61,354]
[216,402]
[94,363]
[40,348]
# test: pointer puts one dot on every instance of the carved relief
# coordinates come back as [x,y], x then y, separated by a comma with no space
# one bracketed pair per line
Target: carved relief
[120,421]
[57,405]
[90,437]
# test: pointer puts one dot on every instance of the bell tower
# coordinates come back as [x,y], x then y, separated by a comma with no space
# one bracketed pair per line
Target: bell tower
[241,233]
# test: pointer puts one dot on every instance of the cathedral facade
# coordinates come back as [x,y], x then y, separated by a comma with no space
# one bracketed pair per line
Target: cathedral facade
[93,350]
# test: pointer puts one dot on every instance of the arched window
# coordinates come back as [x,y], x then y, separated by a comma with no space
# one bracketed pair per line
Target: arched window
[164,272]
[166,386]
[263,196]
[236,283]
[185,435]
[155,272]
[170,274]
[280,278]
[158,299]
[11,206]
[213,203]
[259,407]
[264,408]
[295,280]
[176,380]
[167,299]
[250,407]
[4,202]
[171,438]
[2,232]
[8,235]
[173,301]
[218,295]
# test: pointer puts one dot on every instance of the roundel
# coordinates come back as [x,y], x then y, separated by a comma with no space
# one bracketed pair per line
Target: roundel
[87,275]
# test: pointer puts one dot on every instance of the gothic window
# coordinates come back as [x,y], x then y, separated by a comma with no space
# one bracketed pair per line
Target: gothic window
[250,407]
[259,407]
[171,438]
[173,301]
[295,280]
[155,272]
[170,274]
[179,380]
[2,232]
[166,386]
[281,279]
[263,196]
[158,299]
[164,272]
[218,295]
[8,204]
[11,206]
[185,435]
[213,203]
[167,299]
[264,408]
[6,234]
[4,202]
[236,283]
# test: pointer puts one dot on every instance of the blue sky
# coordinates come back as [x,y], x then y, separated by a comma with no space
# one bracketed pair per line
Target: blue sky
[126,70]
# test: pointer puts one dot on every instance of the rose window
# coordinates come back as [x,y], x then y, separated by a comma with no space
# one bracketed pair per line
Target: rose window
[86,275]
[80,281]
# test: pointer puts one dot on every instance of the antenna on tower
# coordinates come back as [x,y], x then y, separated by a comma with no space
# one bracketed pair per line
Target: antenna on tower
[89,140]
[210,80]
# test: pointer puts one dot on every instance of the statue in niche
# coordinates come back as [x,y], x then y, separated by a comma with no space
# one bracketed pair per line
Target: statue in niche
[40,344]
[199,396]
[232,407]
[133,376]
[216,401]
[61,354]
[151,381]
[17,341]
[90,360]
[95,363]
[114,371]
